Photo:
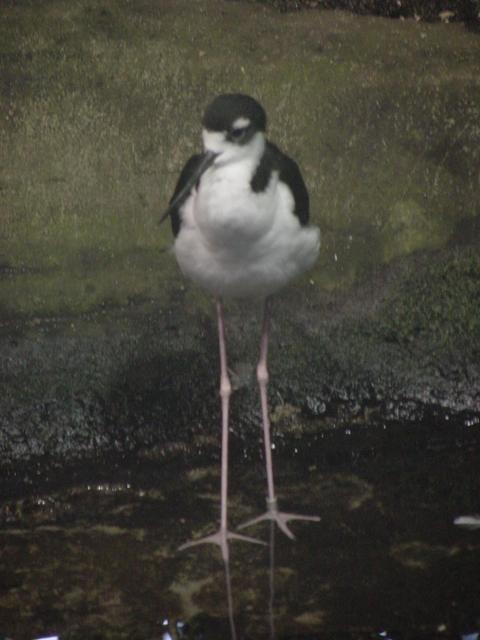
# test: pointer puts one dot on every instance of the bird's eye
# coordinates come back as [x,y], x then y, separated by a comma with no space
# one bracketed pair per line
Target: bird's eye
[236,134]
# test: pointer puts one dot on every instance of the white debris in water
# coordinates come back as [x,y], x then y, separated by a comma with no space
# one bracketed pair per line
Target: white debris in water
[468,522]
[446,16]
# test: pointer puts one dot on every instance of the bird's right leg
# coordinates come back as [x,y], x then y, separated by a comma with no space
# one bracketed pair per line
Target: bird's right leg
[223,534]
[272,513]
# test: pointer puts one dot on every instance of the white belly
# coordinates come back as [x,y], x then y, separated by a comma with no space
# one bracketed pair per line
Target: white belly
[236,243]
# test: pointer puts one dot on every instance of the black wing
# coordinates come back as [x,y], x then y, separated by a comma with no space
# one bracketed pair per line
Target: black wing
[188,170]
[289,173]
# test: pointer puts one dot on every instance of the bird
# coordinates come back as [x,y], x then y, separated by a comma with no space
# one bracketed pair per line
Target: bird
[240,219]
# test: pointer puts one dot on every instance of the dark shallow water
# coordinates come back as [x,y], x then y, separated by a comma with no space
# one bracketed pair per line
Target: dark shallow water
[90,551]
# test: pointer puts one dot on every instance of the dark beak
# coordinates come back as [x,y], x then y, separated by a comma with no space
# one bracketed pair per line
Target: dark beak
[188,183]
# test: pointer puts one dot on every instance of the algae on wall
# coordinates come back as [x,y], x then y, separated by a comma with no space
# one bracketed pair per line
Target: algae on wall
[101,105]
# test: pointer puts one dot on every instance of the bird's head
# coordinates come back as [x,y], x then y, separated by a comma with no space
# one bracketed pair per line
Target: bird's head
[234,127]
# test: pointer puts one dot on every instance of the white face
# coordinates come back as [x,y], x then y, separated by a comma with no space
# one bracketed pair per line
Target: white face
[214,141]
[228,149]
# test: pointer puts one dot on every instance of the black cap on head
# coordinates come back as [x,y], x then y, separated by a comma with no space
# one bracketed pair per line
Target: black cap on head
[226,108]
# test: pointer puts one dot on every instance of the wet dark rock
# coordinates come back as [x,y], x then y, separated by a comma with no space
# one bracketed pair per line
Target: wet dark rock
[466,10]
[144,379]
[315,406]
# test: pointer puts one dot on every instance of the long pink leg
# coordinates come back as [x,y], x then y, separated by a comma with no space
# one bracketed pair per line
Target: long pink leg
[223,534]
[272,512]
[225,393]
[262,379]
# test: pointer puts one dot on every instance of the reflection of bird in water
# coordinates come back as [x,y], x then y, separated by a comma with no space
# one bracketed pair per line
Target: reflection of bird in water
[271,590]
[200,626]
[239,214]
[271,583]
[228,585]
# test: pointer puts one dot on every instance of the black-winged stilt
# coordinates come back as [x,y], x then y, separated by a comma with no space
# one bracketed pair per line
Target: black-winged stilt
[240,214]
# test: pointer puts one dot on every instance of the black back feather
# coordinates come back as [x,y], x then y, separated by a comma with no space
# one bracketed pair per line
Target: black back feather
[274,160]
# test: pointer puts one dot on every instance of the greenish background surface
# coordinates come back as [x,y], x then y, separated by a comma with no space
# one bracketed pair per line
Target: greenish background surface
[100,106]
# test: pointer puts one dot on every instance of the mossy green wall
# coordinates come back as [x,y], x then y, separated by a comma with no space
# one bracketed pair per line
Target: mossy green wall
[100,106]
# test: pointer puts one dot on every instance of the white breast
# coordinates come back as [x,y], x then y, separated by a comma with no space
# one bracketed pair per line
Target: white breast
[229,214]
[234,242]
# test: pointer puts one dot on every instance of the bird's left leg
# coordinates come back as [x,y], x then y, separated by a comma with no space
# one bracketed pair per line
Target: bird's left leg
[223,535]
[272,512]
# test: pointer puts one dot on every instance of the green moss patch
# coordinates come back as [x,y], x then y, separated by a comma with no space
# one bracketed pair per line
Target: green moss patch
[100,107]
[437,303]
